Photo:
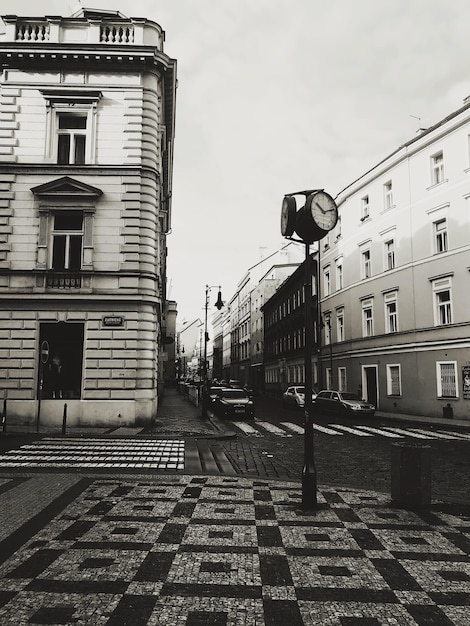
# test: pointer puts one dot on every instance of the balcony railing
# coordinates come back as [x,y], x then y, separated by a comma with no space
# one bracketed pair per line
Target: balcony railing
[63,281]
[33,31]
[116,33]
[57,30]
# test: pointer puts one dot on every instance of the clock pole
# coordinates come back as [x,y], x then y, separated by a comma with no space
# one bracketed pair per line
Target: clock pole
[309,472]
[311,223]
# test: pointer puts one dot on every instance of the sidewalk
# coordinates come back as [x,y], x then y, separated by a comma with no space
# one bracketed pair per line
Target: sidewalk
[201,550]
[209,550]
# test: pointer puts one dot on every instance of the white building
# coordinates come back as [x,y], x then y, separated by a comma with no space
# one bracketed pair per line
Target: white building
[87,108]
[395,277]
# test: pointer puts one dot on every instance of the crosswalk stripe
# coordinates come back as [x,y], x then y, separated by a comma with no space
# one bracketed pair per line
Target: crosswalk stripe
[271,428]
[247,429]
[353,431]
[324,429]
[435,434]
[380,431]
[464,436]
[294,427]
[408,433]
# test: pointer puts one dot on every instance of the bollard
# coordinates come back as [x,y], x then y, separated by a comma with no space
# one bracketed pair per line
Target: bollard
[4,416]
[64,419]
[411,475]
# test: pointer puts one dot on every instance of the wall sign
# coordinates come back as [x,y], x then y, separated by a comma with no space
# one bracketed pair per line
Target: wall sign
[466,381]
[113,320]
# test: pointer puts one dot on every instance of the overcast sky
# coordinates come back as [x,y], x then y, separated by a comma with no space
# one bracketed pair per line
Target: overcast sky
[275,96]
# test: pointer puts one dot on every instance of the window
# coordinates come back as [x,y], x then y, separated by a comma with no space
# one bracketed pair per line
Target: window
[327,324]
[67,240]
[366,264]
[339,275]
[342,384]
[364,208]
[389,254]
[440,236]
[71,138]
[393,380]
[340,324]
[367,318]
[329,378]
[442,302]
[391,312]
[326,281]
[437,168]
[70,125]
[388,195]
[446,375]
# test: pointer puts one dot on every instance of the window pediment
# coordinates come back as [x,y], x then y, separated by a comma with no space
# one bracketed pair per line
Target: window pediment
[60,96]
[66,188]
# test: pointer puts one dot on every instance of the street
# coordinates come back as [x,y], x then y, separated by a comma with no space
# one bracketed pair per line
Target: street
[353,453]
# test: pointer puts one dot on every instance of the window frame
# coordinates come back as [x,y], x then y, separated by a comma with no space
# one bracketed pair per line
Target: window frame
[389,254]
[340,324]
[328,328]
[367,321]
[443,310]
[437,168]
[80,103]
[391,298]
[388,195]
[342,379]
[327,280]
[365,208]
[390,381]
[440,236]
[366,264]
[339,274]
[68,234]
[439,379]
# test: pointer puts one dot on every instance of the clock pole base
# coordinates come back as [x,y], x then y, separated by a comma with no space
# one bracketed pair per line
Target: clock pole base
[309,490]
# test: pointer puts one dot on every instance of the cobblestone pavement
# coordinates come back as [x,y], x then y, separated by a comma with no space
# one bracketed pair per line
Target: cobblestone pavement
[215,550]
[139,545]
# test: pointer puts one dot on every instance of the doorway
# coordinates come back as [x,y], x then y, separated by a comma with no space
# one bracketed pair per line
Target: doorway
[60,360]
[369,384]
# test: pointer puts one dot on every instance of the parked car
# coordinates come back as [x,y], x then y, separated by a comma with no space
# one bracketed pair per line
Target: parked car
[213,392]
[342,403]
[233,403]
[295,396]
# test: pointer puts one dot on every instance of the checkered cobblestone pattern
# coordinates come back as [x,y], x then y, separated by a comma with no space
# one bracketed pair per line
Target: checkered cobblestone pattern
[220,551]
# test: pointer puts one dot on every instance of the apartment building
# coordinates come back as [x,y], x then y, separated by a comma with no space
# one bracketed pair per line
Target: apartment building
[284,332]
[395,280]
[87,109]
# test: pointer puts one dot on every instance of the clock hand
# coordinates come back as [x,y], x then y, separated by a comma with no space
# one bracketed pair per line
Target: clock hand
[320,207]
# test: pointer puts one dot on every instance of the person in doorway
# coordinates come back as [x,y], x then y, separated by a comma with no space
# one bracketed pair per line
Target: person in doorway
[56,376]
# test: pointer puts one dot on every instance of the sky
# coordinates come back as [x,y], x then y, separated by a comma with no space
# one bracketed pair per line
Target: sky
[276,96]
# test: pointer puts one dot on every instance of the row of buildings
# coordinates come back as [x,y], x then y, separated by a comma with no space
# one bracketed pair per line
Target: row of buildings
[391,289]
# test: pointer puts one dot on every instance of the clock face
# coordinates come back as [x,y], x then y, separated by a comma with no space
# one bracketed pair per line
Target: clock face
[288,212]
[323,209]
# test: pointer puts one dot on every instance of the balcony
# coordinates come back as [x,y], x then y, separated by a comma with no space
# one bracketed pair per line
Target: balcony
[63,281]
[86,29]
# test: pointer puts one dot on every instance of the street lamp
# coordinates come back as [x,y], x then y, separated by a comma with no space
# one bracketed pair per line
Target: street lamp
[218,304]
[311,223]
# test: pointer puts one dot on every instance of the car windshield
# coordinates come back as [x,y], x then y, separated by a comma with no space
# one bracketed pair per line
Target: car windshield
[349,396]
[234,394]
